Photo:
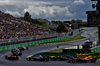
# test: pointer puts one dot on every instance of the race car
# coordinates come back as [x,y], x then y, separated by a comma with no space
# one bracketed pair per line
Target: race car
[16,52]
[11,57]
[83,59]
[65,57]
[61,58]
[54,58]
[37,58]
[88,44]
[23,48]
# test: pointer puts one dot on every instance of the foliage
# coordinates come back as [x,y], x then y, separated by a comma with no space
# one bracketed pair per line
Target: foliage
[61,27]
[57,22]
[41,22]
[78,23]
[27,16]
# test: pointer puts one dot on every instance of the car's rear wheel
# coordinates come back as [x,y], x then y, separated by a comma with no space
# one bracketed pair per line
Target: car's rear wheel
[73,61]
[13,58]
[20,54]
[93,60]
[28,59]
[27,48]
[6,57]
[47,59]
[17,58]
[9,58]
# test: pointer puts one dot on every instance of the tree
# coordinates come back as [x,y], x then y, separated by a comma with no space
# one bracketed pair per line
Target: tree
[76,23]
[27,16]
[42,22]
[61,27]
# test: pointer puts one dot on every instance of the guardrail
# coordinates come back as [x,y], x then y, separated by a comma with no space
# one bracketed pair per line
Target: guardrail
[26,38]
[20,39]
[2,48]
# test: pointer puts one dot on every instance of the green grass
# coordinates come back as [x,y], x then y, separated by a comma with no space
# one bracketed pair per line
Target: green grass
[56,51]
[77,37]
[97,51]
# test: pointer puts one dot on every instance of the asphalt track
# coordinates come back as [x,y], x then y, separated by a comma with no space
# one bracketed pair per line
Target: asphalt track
[42,48]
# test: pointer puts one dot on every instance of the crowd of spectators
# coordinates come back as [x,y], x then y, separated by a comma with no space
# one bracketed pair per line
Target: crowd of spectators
[52,25]
[11,27]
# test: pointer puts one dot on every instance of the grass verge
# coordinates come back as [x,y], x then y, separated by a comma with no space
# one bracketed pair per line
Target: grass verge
[77,37]
[58,52]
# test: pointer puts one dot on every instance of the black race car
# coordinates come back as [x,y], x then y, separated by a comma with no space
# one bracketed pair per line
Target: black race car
[65,57]
[54,58]
[16,52]
[61,58]
[11,57]
[37,58]
[23,48]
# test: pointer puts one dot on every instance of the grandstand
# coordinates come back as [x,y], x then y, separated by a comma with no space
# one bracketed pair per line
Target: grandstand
[15,30]
[11,27]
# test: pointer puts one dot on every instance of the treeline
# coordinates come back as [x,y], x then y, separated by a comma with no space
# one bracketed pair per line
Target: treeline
[61,25]
[77,23]
[41,22]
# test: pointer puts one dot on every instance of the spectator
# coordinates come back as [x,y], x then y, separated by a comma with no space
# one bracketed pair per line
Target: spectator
[14,27]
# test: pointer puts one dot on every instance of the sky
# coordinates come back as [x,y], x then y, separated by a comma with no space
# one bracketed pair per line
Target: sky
[63,10]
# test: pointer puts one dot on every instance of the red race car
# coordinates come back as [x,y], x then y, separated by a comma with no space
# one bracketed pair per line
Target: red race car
[82,59]
[11,57]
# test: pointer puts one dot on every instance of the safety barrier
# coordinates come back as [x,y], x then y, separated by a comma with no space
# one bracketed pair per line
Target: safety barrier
[95,49]
[35,42]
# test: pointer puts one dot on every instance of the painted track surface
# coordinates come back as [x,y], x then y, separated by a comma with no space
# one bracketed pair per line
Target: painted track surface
[42,48]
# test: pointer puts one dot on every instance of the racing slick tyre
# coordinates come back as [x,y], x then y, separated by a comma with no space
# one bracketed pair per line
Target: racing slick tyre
[71,61]
[53,59]
[14,58]
[9,58]
[43,59]
[23,49]
[47,58]
[28,59]
[20,54]
[27,48]
[6,57]
[17,58]
[93,60]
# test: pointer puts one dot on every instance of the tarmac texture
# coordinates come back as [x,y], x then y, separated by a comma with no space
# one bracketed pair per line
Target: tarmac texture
[43,48]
